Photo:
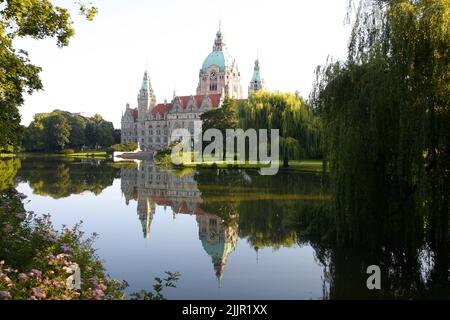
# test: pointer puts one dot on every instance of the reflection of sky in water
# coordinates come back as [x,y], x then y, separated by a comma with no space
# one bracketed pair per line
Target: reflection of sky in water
[174,245]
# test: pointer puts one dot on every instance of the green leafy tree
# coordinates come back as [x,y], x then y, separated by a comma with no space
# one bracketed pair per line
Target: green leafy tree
[386,113]
[57,132]
[37,19]
[222,118]
[58,129]
[299,126]
[77,131]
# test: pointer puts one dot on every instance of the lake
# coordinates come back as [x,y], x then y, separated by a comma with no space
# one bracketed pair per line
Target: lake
[231,234]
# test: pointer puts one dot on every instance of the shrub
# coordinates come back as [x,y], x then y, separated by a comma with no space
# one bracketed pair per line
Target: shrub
[67,151]
[123,147]
[36,261]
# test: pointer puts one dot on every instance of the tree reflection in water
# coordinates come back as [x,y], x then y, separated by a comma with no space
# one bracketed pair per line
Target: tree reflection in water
[287,210]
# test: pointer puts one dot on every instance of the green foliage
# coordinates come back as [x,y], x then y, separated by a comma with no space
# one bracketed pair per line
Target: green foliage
[8,170]
[123,147]
[163,156]
[36,260]
[67,151]
[168,282]
[55,130]
[55,178]
[222,118]
[37,19]
[386,114]
[299,127]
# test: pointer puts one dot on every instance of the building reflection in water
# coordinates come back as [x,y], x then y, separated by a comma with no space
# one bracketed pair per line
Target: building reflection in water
[151,186]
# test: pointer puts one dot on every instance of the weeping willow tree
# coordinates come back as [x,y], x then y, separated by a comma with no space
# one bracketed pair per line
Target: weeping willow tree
[386,116]
[299,127]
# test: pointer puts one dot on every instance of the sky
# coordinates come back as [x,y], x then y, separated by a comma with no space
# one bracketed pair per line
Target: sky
[101,70]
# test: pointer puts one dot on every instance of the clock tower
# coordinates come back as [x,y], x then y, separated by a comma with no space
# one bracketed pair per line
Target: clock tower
[219,72]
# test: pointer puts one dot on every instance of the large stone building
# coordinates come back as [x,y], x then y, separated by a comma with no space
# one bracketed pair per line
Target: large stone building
[151,186]
[152,125]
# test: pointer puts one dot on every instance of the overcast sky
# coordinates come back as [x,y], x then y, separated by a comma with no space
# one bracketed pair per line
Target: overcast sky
[102,68]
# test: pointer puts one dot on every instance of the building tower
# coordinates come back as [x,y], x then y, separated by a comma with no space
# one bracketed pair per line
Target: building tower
[146,102]
[146,98]
[219,72]
[257,83]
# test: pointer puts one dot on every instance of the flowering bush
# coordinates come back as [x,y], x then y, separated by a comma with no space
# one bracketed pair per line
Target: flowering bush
[37,262]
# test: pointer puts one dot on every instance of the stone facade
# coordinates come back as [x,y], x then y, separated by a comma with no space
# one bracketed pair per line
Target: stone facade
[151,186]
[152,125]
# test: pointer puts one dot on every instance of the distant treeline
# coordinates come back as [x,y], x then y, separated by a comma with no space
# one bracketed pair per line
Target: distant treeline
[58,130]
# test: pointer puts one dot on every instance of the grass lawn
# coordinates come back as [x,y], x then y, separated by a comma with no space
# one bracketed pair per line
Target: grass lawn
[84,154]
[315,166]
[89,154]
[7,155]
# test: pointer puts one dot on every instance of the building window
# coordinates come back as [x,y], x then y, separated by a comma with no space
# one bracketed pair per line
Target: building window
[213,86]
[151,132]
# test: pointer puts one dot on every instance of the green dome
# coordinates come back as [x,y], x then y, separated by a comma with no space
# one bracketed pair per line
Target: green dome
[256,76]
[145,83]
[216,58]
[220,249]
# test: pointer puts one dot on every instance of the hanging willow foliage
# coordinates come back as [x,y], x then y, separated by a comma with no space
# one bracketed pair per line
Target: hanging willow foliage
[299,126]
[386,114]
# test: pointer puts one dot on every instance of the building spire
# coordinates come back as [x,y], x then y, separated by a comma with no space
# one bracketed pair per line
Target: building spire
[219,42]
[257,83]
[145,82]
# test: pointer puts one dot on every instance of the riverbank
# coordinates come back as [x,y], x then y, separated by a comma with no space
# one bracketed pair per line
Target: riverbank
[7,155]
[84,154]
[309,166]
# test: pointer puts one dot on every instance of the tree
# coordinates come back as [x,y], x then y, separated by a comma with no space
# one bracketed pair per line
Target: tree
[299,126]
[99,132]
[386,113]
[57,130]
[77,132]
[37,19]
[222,118]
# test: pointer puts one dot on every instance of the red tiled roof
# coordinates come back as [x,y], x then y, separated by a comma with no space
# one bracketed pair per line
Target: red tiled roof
[184,208]
[134,112]
[198,101]
[161,108]
[184,101]
[215,100]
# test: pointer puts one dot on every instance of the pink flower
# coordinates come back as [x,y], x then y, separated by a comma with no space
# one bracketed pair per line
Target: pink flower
[38,293]
[36,273]
[66,248]
[98,294]
[23,277]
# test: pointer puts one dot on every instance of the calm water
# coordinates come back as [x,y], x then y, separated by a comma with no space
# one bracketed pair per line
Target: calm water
[231,234]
